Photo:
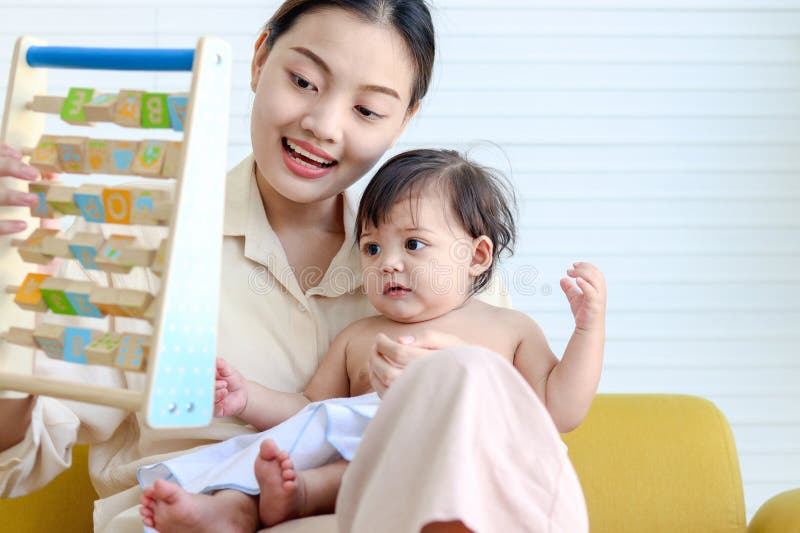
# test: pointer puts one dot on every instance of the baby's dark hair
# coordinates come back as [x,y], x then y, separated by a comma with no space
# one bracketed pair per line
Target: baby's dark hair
[481,198]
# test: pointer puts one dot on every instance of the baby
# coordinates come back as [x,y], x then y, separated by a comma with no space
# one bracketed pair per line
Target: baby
[430,228]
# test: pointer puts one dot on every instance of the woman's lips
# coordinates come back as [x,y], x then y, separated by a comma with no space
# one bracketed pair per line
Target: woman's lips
[303,166]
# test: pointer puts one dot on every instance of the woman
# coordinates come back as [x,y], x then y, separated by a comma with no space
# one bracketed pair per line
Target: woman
[335,85]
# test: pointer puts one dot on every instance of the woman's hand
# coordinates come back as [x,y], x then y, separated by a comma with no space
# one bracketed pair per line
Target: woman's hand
[230,395]
[389,358]
[11,166]
[587,295]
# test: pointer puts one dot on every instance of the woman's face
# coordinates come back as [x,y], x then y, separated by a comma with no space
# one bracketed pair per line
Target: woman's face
[331,97]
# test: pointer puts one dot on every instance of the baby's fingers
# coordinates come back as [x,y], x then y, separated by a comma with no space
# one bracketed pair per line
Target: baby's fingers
[589,273]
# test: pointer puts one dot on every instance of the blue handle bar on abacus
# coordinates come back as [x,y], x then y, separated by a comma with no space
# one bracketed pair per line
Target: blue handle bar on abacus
[111,58]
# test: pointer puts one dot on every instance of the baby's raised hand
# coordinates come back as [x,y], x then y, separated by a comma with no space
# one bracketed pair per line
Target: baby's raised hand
[230,396]
[586,295]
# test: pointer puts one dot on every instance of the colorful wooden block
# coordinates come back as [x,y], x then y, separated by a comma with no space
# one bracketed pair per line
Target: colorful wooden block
[177,104]
[128,110]
[117,203]
[108,258]
[101,108]
[60,198]
[98,156]
[45,155]
[72,154]
[133,302]
[152,310]
[145,204]
[72,110]
[29,296]
[85,247]
[78,294]
[53,293]
[149,159]
[42,209]
[75,342]
[89,199]
[132,352]
[50,338]
[31,248]
[105,299]
[172,159]
[122,155]
[101,350]
[155,113]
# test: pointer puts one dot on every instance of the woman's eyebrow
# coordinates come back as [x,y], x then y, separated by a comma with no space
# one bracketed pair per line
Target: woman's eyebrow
[325,68]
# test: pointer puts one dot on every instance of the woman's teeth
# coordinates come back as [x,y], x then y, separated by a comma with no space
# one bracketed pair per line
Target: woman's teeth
[306,158]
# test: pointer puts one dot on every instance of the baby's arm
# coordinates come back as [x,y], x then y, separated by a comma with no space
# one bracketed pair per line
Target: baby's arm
[568,386]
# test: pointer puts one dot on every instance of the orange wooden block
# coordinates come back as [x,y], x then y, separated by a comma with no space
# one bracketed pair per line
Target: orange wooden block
[128,109]
[28,295]
[45,155]
[117,203]
[98,156]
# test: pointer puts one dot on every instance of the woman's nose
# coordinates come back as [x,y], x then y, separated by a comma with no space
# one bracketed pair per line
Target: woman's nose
[323,119]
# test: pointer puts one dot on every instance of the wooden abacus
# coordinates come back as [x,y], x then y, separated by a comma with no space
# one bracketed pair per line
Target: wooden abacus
[179,356]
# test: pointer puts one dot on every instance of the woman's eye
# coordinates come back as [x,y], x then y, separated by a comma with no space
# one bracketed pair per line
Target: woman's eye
[302,83]
[372,249]
[367,113]
[414,244]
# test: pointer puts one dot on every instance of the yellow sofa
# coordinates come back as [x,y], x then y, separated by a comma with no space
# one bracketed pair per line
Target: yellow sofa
[647,463]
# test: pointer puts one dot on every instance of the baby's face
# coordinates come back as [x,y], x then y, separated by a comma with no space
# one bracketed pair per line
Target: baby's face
[416,265]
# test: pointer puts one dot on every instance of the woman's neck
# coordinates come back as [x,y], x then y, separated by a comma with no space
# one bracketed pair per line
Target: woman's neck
[285,214]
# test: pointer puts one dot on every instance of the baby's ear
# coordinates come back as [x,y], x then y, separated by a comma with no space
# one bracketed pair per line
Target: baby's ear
[482,248]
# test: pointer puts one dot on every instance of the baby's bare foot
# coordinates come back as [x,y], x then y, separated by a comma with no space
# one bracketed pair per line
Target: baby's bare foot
[282,489]
[170,509]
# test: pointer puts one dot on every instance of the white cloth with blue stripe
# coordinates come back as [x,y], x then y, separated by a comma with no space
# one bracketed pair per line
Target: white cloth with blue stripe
[320,433]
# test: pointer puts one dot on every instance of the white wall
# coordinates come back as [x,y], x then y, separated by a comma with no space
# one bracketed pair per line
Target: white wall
[656,138]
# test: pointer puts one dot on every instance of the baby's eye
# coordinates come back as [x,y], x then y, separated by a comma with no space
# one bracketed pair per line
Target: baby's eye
[302,83]
[414,244]
[372,249]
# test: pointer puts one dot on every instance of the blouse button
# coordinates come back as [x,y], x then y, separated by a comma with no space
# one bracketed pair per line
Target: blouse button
[301,308]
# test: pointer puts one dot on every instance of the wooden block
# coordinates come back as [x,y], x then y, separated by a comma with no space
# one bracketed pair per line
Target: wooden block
[101,350]
[177,104]
[44,103]
[101,108]
[98,156]
[117,204]
[172,159]
[157,267]
[152,310]
[45,155]
[42,209]
[85,247]
[56,247]
[163,212]
[20,337]
[60,198]
[50,338]
[149,159]
[78,294]
[72,154]
[29,296]
[134,302]
[132,352]
[145,203]
[128,110]
[122,155]
[155,113]
[31,248]
[53,292]
[108,258]
[105,299]
[72,111]
[89,199]
[75,342]
[136,256]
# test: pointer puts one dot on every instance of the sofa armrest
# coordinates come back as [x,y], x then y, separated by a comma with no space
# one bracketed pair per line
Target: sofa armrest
[779,514]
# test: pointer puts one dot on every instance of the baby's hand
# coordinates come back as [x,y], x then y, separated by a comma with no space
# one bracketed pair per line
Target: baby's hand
[588,299]
[230,396]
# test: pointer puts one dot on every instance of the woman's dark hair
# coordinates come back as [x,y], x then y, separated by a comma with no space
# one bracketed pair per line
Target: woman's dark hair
[481,199]
[411,19]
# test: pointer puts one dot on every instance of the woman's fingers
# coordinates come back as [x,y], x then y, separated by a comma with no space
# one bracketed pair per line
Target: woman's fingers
[12,167]
[7,227]
[12,197]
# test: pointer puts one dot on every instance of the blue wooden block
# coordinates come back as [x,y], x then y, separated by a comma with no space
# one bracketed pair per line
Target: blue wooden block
[177,111]
[75,342]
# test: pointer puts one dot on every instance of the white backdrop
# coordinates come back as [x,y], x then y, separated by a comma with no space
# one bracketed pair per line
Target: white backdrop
[656,138]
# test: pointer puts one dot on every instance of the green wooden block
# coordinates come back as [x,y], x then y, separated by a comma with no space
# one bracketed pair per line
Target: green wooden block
[72,109]
[58,302]
[155,113]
